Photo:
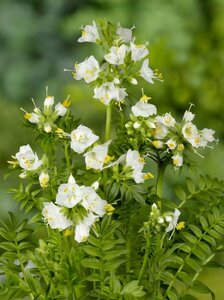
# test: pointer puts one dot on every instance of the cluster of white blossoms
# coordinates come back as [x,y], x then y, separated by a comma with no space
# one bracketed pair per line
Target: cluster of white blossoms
[169,220]
[45,119]
[30,164]
[108,78]
[165,134]
[75,206]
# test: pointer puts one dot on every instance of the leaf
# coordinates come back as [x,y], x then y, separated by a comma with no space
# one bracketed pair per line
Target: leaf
[91,250]
[114,253]
[93,263]
[185,278]
[201,288]
[203,222]
[180,193]
[133,289]
[195,230]
[210,240]
[190,185]
[194,264]
[23,234]
[8,246]
[92,277]
[172,295]
[191,238]
[112,265]
[139,198]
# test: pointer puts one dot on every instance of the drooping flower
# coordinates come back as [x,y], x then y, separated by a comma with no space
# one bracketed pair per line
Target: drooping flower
[116,55]
[89,34]
[125,34]
[138,52]
[96,157]
[49,101]
[173,221]
[54,217]
[189,131]
[28,160]
[88,70]
[177,160]
[32,117]
[69,194]
[167,120]
[188,116]
[207,135]
[60,109]
[146,72]
[171,144]
[136,162]
[91,201]
[109,91]
[142,109]
[82,138]
[83,228]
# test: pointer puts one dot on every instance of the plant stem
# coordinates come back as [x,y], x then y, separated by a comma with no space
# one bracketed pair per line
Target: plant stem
[107,137]
[128,247]
[108,123]
[67,156]
[159,183]
[145,260]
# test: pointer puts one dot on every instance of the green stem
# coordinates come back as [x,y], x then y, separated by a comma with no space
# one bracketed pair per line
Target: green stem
[146,256]
[67,156]
[107,137]
[159,183]
[128,247]
[108,123]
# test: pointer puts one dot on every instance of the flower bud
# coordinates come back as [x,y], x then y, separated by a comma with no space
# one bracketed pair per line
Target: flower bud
[47,127]
[137,125]
[134,81]
[49,101]
[44,179]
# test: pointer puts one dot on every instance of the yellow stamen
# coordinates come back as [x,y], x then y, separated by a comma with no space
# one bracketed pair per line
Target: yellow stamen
[66,102]
[108,159]
[180,226]
[148,176]
[109,209]
[27,116]
[145,98]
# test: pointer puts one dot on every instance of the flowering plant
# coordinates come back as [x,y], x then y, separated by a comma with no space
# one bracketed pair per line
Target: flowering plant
[98,227]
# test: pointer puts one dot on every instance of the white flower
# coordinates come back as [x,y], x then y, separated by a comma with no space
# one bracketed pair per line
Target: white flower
[28,160]
[82,138]
[89,34]
[207,134]
[49,101]
[92,201]
[82,229]
[54,217]
[44,179]
[116,55]
[88,70]
[142,109]
[171,144]
[108,91]
[60,109]
[138,52]
[160,131]
[146,72]
[136,162]
[96,157]
[188,116]
[177,160]
[69,194]
[173,222]
[32,117]
[134,81]
[166,120]
[137,125]
[189,131]
[125,34]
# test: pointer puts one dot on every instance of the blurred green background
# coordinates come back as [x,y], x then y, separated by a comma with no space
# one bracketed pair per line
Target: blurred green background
[38,39]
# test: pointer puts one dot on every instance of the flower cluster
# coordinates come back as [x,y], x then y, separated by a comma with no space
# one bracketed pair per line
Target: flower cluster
[78,206]
[45,119]
[158,220]
[164,134]
[120,64]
